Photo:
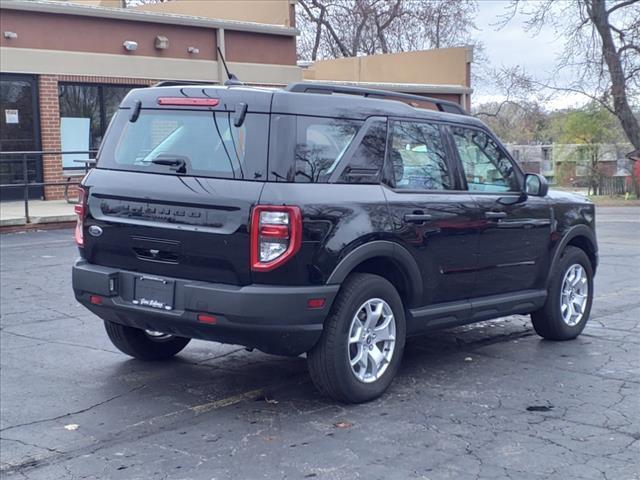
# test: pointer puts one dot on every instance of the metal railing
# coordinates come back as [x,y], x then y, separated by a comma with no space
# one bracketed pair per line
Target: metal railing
[24,157]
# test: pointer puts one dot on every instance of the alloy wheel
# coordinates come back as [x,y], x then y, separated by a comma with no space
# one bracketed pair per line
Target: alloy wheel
[372,340]
[574,294]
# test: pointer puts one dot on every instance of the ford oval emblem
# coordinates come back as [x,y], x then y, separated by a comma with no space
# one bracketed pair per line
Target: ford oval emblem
[95,231]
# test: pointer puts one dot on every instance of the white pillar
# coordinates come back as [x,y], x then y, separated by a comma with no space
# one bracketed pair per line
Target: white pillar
[222,74]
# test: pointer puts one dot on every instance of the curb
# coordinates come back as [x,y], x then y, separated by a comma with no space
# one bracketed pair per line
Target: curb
[28,227]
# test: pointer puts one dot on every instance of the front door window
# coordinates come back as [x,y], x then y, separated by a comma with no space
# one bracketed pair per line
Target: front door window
[486,167]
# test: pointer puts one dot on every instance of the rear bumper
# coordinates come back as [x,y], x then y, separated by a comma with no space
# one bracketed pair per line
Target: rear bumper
[274,319]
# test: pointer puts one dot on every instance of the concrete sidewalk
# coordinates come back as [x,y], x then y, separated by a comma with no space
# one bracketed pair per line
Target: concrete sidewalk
[40,211]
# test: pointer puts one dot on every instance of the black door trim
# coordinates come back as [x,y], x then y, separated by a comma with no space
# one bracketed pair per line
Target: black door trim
[462,312]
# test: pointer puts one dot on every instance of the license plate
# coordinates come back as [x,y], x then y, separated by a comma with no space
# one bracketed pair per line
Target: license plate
[154,292]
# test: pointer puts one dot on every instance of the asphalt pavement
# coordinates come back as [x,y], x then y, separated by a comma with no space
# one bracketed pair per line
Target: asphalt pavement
[490,400]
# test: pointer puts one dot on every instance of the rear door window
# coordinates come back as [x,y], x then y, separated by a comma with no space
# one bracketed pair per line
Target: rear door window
[418,157]
[207,143]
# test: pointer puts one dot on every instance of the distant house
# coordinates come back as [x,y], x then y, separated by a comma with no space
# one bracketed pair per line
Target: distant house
[569,163]
[533,158]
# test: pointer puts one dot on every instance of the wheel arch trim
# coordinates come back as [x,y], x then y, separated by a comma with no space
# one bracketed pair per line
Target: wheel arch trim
[384,249]
[575,232]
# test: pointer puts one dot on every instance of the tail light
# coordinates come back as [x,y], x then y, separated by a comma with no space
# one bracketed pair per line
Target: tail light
[81,210]
[276,235]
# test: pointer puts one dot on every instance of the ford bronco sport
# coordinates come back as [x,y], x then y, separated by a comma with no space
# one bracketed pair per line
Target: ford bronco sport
[331,221]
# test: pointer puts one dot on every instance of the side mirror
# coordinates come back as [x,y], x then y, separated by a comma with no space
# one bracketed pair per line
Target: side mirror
[536,185]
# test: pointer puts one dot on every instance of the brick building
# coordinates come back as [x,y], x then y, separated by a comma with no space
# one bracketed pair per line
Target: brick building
[65,67]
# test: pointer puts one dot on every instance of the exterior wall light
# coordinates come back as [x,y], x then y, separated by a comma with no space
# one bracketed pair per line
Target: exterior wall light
[130,45]
[193,50]
[10,35]
[162,42]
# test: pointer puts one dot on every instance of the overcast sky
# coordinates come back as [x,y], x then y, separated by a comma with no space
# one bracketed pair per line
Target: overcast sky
[511,45]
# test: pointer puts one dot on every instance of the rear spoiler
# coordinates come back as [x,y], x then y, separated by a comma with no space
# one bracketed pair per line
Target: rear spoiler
[179,83]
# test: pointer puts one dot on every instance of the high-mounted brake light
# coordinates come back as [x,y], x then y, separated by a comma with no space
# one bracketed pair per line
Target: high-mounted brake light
[276,236]
[189,102]
[80,210]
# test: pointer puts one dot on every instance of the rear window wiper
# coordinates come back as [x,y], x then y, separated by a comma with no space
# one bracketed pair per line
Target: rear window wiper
[179,164]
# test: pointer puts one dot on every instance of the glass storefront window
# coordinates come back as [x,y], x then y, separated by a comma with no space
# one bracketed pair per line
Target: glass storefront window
[19,132]
[85,112]
[82,101]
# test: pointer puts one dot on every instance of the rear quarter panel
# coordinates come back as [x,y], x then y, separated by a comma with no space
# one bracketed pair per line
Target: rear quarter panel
[337,218]
[573,215]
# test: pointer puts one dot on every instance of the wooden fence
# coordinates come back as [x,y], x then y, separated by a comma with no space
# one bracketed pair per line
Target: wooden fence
[611,186]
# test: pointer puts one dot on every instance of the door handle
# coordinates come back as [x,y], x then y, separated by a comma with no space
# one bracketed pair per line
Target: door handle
[495,215]
[417,217]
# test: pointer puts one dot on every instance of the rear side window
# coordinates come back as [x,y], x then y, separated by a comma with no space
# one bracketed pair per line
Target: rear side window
[418,157]
[367,160]
[320,145]
[206,143]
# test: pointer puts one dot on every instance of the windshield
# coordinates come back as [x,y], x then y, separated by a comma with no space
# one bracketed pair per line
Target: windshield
[206,143]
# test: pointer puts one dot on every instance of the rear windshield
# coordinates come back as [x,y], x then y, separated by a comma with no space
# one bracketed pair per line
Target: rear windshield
[195,143]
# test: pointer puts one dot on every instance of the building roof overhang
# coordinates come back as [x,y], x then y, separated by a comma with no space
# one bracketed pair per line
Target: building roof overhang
[65,8]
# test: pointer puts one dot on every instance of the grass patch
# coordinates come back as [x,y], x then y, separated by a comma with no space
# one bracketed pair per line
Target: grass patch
[617,200]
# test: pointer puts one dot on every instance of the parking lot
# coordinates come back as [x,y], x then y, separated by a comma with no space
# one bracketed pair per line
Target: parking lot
[490,400]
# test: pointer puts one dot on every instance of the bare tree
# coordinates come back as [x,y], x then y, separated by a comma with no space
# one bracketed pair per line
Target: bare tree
[348,28]
[512,84]
[601,55]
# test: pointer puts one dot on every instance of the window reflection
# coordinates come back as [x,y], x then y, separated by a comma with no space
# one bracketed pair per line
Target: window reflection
[320,145]
[486,167]
[202,143]
[368,158]
[418,157]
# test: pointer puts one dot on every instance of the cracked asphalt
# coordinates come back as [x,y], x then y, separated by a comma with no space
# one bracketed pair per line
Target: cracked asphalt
[491,400]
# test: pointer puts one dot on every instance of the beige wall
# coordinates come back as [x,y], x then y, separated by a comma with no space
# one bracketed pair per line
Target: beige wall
[57,62]
[445,66]
[274,12]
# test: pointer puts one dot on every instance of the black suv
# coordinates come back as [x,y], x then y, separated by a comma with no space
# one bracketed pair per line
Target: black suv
[329,220]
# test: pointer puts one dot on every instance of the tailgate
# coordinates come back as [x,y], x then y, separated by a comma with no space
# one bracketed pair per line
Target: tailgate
[178,226]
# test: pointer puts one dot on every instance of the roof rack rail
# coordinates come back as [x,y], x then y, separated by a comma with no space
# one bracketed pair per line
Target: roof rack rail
[179,83]
[309,87]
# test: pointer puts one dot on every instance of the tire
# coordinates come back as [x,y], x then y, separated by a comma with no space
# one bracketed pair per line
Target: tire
[549,322]
[330,359]
[142,345]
